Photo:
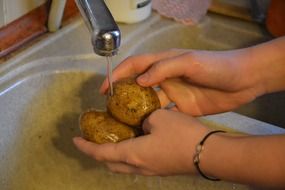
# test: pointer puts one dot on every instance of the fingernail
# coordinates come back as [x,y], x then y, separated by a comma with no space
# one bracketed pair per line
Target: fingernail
[143,78]
[76,139]
[102,92]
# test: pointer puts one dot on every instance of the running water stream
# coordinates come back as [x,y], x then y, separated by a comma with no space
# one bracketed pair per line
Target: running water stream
[109,74]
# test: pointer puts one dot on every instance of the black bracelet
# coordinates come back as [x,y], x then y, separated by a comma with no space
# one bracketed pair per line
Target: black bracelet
[199,149]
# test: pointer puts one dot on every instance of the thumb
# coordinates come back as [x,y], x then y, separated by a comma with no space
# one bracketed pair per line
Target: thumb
[167,68]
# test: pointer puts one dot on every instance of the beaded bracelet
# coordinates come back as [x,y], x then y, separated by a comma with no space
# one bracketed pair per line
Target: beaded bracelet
[199,149]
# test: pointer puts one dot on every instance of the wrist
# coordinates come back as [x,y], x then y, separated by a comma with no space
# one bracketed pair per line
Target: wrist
[197,156]
[208,160]
[266,64]
[250,71]
[196,137]
[220,155]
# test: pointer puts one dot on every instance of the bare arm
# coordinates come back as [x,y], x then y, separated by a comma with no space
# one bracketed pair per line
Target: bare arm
[268,61]
[255,160]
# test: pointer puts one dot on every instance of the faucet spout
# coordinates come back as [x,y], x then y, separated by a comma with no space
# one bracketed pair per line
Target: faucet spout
[105,33]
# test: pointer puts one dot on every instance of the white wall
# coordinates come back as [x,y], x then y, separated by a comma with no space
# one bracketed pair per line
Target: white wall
[10,10]
[1,13]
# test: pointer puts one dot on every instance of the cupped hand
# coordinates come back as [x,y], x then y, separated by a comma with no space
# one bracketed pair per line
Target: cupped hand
[167,148]
[198,82]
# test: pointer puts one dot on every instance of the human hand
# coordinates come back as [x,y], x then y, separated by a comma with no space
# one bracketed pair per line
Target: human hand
[166,149]
[198,82]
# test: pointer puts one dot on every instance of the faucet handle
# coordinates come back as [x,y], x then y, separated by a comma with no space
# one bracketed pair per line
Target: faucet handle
[105,33]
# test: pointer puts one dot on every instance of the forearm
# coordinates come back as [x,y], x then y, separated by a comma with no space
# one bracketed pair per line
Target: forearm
[256,160]
[267,62]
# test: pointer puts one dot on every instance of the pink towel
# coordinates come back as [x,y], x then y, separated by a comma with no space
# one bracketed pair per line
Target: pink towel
[188,12]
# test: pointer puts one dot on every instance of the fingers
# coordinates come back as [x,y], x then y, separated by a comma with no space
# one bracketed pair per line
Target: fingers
[174,108]
[167,68]
[129,67]
[120,167]
[126,151]
[116,158]
[127,169]
[183,94]
[150,123]
[102,152]
[163,98]
[137,64]
[146,126]
[165,102]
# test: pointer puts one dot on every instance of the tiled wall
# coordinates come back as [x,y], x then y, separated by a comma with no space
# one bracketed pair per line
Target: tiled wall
[10,10]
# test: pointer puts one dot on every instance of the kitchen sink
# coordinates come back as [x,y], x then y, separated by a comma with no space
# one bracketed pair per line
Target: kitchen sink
[40,103]
[268,108]
[214,33]
[44,89]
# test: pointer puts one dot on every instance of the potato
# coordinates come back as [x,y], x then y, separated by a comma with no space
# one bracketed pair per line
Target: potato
[132,103]
[100,127]
[128,107]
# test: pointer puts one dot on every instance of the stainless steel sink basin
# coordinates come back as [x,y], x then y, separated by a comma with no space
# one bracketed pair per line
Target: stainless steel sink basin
[214,33]
[41,98]
[269,108]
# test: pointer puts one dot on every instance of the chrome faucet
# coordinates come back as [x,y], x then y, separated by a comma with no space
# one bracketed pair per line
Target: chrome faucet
[105,34]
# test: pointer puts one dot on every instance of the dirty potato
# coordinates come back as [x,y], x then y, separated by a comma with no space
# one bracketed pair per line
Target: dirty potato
[132,103]
[100,127]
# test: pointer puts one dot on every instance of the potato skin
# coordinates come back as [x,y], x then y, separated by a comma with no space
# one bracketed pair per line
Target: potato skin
[132,103]
[100,127]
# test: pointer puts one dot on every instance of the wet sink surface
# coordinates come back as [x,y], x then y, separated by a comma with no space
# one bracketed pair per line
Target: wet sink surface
[214,33]
[41,101]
